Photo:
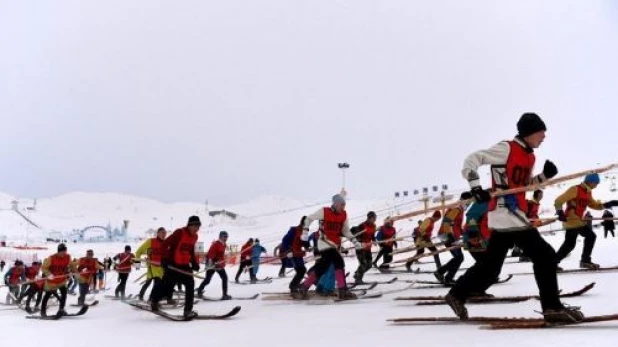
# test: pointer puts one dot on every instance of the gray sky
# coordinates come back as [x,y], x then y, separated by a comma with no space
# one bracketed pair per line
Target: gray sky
[227,100]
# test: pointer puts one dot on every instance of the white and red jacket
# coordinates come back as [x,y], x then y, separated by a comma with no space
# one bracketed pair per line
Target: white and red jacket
[511,163]
[329,238]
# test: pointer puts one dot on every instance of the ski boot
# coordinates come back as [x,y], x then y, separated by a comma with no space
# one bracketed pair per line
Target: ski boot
[188,315]
[589,265]
[375,264]
[281,274]
[300,293]
[172,302]
[524,259]
[200,293]
[226,297]
[346,294]
[448,281]
[457,306]
[409,266]
[565,314]
[62,312]
[439,276]
[154,306]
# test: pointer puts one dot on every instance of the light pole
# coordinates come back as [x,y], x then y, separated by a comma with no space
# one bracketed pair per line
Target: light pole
[343,167]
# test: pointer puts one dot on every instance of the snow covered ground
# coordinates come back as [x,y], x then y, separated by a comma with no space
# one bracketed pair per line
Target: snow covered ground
[357,323]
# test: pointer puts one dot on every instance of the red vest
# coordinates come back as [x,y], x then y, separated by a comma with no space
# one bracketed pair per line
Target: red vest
[580,203]
[456,223]
[519,167]
[90,264]
[245,251]
[186,245]
[156,251]
[31,272]
[297,244]
[16,275]
[368,235]
[333,224]
[124,262]
[388,233]
[216,253]
[533,209]
[59,267]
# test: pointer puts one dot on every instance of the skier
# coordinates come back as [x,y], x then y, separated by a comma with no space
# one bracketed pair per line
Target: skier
[416,231]
[256,253]
[179,261]
[424,239]
[365,234]
[385,237]
[512,164]
[13,278]
[31,273]
[245,258]
[35,288]
[56,269]
[2,265]
[450,232]
[608,223]
[335,225]
[292,250]
[153,248]
[577,198]
[123,267]
[87,269]
[215,262]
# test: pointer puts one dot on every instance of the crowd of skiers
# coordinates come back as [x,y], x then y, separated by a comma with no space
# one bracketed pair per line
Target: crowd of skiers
[485,222]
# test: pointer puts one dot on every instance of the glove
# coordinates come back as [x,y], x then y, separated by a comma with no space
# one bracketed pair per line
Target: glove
[289,255]
[195,267]
[610,204]
[136,260]
[358,246]
[344,251]
[50,277]
[479,194]
[549,169]
[163,264]
[561,215]
[209,263]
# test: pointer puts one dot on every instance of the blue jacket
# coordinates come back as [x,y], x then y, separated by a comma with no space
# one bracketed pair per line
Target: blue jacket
[257,251]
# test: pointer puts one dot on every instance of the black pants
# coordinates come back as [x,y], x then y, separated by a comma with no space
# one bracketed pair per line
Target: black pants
[328,257]
[364,263]
[450,269]
[120,289]
[170,279]
[436,257]
[610,231]
[62,299]
[385,251]
[487,268]
[222,274]
[30,293]
[84,288]
[569,243]
[243,265]
[301,270]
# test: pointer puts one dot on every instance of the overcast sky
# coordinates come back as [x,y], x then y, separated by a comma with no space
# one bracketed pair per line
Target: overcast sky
[228,100]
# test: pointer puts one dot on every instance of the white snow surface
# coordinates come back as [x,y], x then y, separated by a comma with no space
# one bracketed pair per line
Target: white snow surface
[285,323]
[355,323]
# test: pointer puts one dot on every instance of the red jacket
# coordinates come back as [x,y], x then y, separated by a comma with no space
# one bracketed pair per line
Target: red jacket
[179,248]
[216,254]
[245,251]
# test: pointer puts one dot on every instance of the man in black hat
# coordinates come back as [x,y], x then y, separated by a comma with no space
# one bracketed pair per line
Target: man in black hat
[179,261]
[512,164]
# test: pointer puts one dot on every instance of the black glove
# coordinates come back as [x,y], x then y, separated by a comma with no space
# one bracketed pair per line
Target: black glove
[195,267]
[164,264]
[610,204]
[480,195]
[561,215]
[549,169]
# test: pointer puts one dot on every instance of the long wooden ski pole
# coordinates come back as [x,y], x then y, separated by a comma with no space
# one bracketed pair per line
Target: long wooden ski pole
[510,191]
